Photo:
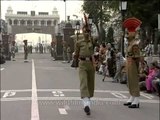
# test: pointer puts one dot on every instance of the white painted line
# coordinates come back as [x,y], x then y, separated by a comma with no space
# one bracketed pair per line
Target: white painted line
[25,90]
[77,90]
[34,107]
[147,96]
[58,93]
[2,69]
[76,99]
[67,107]
[119,95]
[62,111]
[15,99]
[9,93]
[64,90]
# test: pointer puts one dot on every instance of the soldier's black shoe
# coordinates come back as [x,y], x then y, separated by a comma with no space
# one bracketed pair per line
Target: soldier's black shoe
[87,110]
[134,106]
[127,104]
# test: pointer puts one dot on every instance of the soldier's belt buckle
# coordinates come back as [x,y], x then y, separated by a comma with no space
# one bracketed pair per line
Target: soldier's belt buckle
[87,58]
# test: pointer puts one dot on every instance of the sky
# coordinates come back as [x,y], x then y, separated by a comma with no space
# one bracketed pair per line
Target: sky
[73,7]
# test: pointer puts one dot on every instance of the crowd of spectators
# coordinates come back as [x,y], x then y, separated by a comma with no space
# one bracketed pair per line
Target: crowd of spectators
[111,63]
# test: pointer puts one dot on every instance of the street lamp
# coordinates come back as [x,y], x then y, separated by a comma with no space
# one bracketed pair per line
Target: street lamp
[123,8]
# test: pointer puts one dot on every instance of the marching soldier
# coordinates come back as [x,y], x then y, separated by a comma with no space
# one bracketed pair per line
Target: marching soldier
[25,50]
[13,50]
[133,59]
[84,51]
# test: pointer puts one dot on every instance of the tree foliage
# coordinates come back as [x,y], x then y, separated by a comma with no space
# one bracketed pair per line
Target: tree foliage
[101,13]
[110,33]
[145,10]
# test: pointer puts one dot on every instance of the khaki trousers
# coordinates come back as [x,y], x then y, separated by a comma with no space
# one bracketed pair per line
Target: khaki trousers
[87,78]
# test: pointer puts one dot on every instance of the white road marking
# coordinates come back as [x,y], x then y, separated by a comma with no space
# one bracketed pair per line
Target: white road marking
[24,90]
[119,95]
[62,111]
[9,93]
[67,107]
[63,90]
[77,90]
[2,69]
[34,107]
[58,93]
[147,96]
[75,99]
[51,68]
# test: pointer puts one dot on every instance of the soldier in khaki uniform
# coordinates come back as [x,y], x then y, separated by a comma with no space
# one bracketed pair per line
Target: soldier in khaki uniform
[133,59]
[84,51]
[13,50]
[53,50]
[25,50]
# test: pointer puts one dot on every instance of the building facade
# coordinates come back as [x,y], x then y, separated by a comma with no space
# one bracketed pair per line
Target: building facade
[24,22]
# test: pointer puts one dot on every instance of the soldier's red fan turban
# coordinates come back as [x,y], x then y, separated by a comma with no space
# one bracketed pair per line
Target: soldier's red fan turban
[131,24]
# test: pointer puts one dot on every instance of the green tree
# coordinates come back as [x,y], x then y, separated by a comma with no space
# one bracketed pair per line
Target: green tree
[101,13]
[110,33]
[147,12]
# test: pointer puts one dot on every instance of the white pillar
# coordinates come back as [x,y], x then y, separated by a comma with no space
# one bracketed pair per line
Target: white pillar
[32,22]
[46,22]
[39,22]
[19,22]
[26,22]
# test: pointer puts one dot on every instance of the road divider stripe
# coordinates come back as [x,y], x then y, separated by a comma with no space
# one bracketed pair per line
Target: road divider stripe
[75,99]
[34,107]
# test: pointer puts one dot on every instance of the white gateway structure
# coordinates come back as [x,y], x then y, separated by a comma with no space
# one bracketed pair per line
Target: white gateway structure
[24,22]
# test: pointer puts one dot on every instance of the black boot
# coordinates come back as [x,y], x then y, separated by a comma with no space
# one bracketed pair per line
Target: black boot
[87,110]
[134,106]
[127,104]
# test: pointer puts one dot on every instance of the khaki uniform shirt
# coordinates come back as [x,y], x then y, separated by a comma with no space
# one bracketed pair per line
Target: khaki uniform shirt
[84,48]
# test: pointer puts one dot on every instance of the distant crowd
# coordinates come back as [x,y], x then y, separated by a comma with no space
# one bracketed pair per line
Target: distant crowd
[111,63]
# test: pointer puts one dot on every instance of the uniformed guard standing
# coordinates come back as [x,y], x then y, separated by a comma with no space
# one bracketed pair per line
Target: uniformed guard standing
[25,50]
[84,51]
[13,50]
[69,54]
[53,50]
[64,43]
[133,59]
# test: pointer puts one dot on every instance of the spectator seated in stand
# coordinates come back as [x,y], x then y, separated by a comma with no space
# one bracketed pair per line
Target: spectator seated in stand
[123,79]
[156,82]
[143,72]
[153,73]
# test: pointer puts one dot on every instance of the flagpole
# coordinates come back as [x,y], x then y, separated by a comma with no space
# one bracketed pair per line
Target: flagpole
[65,10]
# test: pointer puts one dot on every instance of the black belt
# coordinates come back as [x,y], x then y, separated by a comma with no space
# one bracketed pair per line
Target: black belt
[86,58]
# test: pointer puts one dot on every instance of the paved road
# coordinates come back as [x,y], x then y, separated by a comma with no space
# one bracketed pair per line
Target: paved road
[43,89]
